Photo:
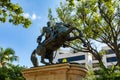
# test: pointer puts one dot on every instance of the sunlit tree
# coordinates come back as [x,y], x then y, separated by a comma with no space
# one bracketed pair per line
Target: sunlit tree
[7,56]
[12,73]
[12,13]
[99,21]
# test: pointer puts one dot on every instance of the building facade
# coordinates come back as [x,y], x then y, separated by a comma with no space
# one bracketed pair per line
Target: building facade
[85,59]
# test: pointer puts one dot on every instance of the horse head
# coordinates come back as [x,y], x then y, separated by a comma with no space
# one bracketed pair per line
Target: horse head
[60,29]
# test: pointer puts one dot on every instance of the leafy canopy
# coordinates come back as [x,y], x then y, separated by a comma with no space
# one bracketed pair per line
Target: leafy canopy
[12,13]
[7,56]
[12,73]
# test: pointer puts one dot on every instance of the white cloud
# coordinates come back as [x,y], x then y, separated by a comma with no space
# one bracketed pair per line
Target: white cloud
[32,17]
[26,15]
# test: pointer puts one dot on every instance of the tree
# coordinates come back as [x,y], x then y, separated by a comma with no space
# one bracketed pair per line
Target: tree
[99,21]
[12,13]
[114,74]
[12,73]
[7,56]
[8,71]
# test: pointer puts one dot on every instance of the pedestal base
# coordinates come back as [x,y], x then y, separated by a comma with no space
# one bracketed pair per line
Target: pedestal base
[64,71]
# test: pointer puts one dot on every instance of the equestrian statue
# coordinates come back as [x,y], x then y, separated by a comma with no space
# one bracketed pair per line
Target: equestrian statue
[55,37]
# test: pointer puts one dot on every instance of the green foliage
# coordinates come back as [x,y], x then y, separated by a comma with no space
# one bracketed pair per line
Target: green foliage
[12,13]
[101,74]
[50,17]
[71,2]
[90,74]
[7,70]
[103,52]
[114,73]
[7,56]
[99,20]
[65,13]
[11,73]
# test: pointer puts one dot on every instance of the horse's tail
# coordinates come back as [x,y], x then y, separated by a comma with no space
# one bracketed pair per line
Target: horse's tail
[34,59]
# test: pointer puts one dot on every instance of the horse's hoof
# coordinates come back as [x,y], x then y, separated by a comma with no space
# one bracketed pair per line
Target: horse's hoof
[52,63]
[47,64]
[44,62]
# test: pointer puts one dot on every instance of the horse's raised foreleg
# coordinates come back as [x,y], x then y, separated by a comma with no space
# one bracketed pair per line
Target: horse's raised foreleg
[34,59]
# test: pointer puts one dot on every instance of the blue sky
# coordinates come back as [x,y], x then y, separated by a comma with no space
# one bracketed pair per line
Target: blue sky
[22,40]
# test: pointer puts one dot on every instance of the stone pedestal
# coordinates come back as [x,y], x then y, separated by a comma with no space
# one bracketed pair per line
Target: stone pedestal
[64,71]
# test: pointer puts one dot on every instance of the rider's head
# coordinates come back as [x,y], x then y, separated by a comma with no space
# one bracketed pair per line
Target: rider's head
[49,24]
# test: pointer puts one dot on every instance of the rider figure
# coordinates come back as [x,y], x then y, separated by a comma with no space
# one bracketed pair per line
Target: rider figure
[47,31]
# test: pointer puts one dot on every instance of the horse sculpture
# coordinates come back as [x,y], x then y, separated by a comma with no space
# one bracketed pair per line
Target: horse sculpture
[47,47]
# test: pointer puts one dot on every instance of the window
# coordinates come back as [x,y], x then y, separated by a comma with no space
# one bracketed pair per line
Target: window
[110,51]
[111,59]
[75,58]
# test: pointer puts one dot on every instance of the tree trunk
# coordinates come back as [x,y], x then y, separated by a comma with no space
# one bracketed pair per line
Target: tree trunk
[118,60]
[97,56]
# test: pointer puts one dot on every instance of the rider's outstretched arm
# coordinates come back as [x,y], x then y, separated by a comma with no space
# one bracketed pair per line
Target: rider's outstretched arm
[40,37]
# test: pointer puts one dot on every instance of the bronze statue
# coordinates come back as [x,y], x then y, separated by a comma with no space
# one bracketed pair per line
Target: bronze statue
[55,38]
[47,32]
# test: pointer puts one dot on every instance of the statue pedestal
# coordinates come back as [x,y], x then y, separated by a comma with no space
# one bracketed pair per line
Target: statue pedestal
[64,71]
